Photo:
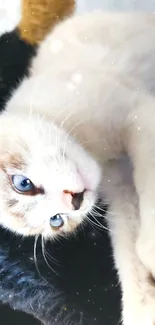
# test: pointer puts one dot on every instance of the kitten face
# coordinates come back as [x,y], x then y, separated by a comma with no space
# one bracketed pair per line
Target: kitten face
[48,183]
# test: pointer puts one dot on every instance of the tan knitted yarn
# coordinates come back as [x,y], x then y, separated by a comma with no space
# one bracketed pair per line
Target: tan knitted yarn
[38,17]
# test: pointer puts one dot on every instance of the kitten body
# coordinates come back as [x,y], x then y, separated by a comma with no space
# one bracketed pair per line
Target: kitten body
[89,99]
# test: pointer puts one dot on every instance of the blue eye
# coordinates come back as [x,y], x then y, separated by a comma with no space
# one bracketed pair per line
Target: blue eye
[22,184]
[56,221]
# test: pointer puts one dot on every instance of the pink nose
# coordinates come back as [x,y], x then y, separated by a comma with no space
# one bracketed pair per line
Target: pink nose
[73,200]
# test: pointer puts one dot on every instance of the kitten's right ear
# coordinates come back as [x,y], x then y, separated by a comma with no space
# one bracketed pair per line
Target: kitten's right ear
[12,150]
[3,160]
[8,160]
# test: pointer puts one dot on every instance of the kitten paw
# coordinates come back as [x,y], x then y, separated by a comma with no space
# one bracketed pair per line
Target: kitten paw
[145,248]
[140,311]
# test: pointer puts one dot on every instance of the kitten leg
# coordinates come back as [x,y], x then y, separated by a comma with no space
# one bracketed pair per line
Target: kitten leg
[141,146]
[138,292]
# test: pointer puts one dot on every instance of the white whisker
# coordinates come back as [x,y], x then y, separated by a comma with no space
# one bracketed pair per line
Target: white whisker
[35,255]
[51,258]
[59,132]
[45,259]
[68,134]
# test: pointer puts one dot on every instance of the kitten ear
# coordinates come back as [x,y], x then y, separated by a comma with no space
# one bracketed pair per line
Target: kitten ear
[8,160]
[3,159]
[3,146]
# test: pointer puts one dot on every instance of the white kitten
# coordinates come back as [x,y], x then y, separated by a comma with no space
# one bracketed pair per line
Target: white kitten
[46,187]
[87,101]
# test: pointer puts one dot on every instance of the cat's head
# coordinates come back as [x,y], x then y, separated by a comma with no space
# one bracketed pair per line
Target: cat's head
[48,183]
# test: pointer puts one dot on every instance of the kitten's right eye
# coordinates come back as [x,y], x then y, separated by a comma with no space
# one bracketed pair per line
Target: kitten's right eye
[56,221]
[22,184]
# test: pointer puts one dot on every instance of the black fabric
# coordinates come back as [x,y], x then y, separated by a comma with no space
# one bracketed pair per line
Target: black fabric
[79,286]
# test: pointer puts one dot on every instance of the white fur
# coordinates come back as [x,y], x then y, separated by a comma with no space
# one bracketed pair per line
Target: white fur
[93,78]
[138,293]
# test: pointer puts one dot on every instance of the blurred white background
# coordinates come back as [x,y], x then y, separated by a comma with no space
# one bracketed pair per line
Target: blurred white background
[10,10]
[136,5]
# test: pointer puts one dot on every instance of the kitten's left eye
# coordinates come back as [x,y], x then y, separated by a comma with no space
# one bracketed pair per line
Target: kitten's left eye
[22,184]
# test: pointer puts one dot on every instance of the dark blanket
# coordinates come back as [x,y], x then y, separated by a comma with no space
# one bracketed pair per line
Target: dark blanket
[80,285]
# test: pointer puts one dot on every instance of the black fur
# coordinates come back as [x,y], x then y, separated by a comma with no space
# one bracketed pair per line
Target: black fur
[81,286]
